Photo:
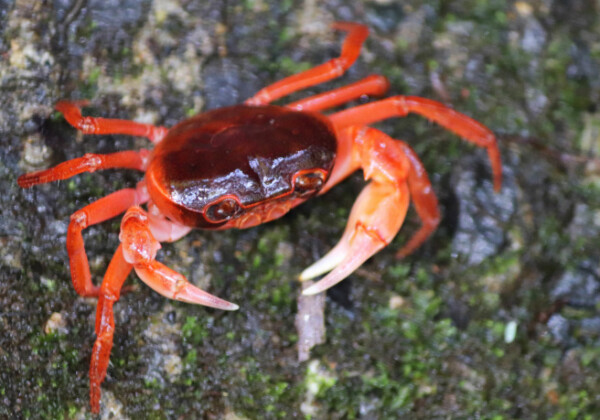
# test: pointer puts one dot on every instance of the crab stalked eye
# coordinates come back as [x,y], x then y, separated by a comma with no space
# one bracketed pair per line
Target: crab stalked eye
[309,182]
[223,210]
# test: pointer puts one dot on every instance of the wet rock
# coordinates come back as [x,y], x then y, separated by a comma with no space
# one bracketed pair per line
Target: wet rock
[482,214]
[579,286]
[559,327]
[534,36]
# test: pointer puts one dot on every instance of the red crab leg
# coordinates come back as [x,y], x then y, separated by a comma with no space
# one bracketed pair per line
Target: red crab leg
[96,125]
[424,200]
[400,106]
[100,210]
[89,162]
[378,213]
[115,276]
[374,85]
[139,249]
[357,34]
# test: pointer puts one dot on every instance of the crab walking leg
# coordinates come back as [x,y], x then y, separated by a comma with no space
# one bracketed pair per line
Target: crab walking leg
[115,276]
[90,162]
[97,125]
[357,34]
[100,210]
[375,219]
[373,85]
[424,200]
[400,106]
[139,249]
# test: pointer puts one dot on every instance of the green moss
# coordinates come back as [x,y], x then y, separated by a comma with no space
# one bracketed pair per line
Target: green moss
[266,393]
[152,383]
[289,66]
[194,330]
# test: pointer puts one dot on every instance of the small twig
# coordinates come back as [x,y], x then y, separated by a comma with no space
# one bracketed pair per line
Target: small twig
[565,159]
[73,12]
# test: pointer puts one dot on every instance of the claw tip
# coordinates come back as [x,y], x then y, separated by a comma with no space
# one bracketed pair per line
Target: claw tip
[310,291]
[232,307]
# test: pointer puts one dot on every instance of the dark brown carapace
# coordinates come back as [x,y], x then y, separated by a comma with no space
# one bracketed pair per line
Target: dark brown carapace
[240,166]
[248,164]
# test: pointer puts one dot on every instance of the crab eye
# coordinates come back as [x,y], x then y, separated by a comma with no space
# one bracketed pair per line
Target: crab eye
[223,210]
[308,183]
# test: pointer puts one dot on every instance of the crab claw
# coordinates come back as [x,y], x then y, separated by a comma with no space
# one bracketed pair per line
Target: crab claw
[139,250]
[375,219]
[173,285]
[351,256]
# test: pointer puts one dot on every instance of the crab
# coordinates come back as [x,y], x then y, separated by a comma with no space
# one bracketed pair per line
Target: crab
[244,165]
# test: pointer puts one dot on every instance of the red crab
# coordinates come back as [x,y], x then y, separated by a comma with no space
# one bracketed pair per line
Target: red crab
[240,166]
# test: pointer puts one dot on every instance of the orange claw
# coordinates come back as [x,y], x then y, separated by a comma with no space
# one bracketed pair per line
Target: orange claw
[139,249]
[375,219]
[378,212]
[173,285]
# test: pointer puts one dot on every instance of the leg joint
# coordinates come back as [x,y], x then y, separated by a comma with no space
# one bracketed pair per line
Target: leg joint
[139,245]
[339,66]
[92,161]
[87,125]
[401,106]
[156,134]
[79,219]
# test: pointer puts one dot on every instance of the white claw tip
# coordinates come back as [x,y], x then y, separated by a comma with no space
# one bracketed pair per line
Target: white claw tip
[312,290]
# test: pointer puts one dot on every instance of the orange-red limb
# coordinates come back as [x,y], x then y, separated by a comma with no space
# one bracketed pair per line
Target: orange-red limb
[333,68]
[400,106]
[346,160]
[424,200]
[393,159]
[97,125]
[373,85]
[376,217]
[115,276]
[90,162]
[378,213]
[139,249]
[100,210]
